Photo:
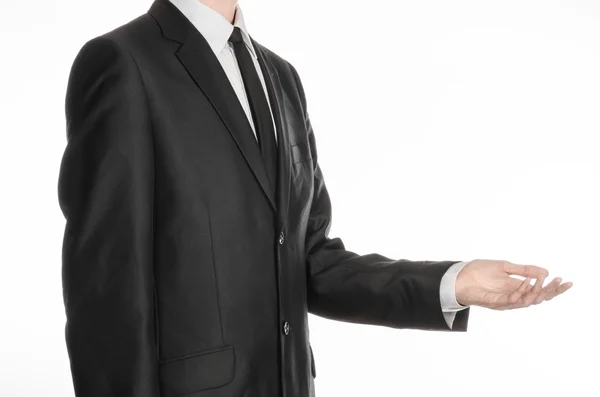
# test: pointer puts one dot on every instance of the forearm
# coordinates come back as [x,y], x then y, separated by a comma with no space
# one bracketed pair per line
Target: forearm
[373,289]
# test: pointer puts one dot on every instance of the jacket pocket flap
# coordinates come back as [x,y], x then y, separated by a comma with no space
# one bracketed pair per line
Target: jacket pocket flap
[300,152]
[199,371]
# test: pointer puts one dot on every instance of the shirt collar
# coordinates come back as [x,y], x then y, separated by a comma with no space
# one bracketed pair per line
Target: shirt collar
[212,25]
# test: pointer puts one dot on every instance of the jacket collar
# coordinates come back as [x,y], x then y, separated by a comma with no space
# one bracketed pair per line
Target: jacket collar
[212,25]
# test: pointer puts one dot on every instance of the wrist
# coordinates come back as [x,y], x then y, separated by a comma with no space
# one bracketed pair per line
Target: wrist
[460,288]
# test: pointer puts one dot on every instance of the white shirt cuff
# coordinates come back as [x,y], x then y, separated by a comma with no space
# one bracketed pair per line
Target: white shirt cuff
[448,300]
[448,289]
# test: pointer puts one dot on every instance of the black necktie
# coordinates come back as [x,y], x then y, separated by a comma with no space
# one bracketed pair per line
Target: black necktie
[259,106]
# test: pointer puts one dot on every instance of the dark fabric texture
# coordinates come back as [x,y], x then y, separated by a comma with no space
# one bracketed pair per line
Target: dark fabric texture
[261,115]
[184,273]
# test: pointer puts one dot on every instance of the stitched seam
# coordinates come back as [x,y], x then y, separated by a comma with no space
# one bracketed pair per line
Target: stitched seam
[212,249]
[197,354]
[214,387]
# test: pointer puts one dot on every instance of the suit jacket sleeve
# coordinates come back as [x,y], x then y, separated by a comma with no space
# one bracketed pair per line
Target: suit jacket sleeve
[105,191]
[367,289]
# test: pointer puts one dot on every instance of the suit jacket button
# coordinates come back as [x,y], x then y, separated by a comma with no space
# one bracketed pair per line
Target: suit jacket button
[281,238]
[286,328]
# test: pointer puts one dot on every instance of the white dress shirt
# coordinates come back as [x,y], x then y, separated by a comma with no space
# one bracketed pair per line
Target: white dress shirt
[217,30]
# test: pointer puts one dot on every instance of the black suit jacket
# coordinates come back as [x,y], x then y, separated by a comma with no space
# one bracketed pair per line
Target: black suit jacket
[183,274]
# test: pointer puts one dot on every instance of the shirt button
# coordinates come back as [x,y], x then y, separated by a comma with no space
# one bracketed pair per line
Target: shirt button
[281,238]
[286,328]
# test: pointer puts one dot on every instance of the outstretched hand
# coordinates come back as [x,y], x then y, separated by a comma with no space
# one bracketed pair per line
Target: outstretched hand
[488,283]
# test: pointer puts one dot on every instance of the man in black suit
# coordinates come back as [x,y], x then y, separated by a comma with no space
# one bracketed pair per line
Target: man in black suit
[197,227]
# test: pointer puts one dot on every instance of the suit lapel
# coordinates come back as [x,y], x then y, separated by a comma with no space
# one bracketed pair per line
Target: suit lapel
[203,66]
[276,100]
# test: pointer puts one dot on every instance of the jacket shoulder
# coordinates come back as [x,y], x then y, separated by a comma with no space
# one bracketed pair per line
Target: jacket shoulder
[108,55]
[130,36]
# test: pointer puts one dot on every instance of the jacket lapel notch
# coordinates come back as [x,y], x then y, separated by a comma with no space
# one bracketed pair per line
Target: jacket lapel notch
[173,24]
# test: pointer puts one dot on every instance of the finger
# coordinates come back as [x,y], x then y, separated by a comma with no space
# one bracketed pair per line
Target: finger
[525,270]
[545,292]
[548,289]
[514,283]
[529,287]
[533,293]
[515,296]
[561,289]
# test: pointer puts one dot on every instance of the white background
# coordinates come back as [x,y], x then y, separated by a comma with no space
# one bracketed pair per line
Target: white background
[446,130]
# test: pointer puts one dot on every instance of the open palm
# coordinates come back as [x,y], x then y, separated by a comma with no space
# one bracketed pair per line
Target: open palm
[488,283]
